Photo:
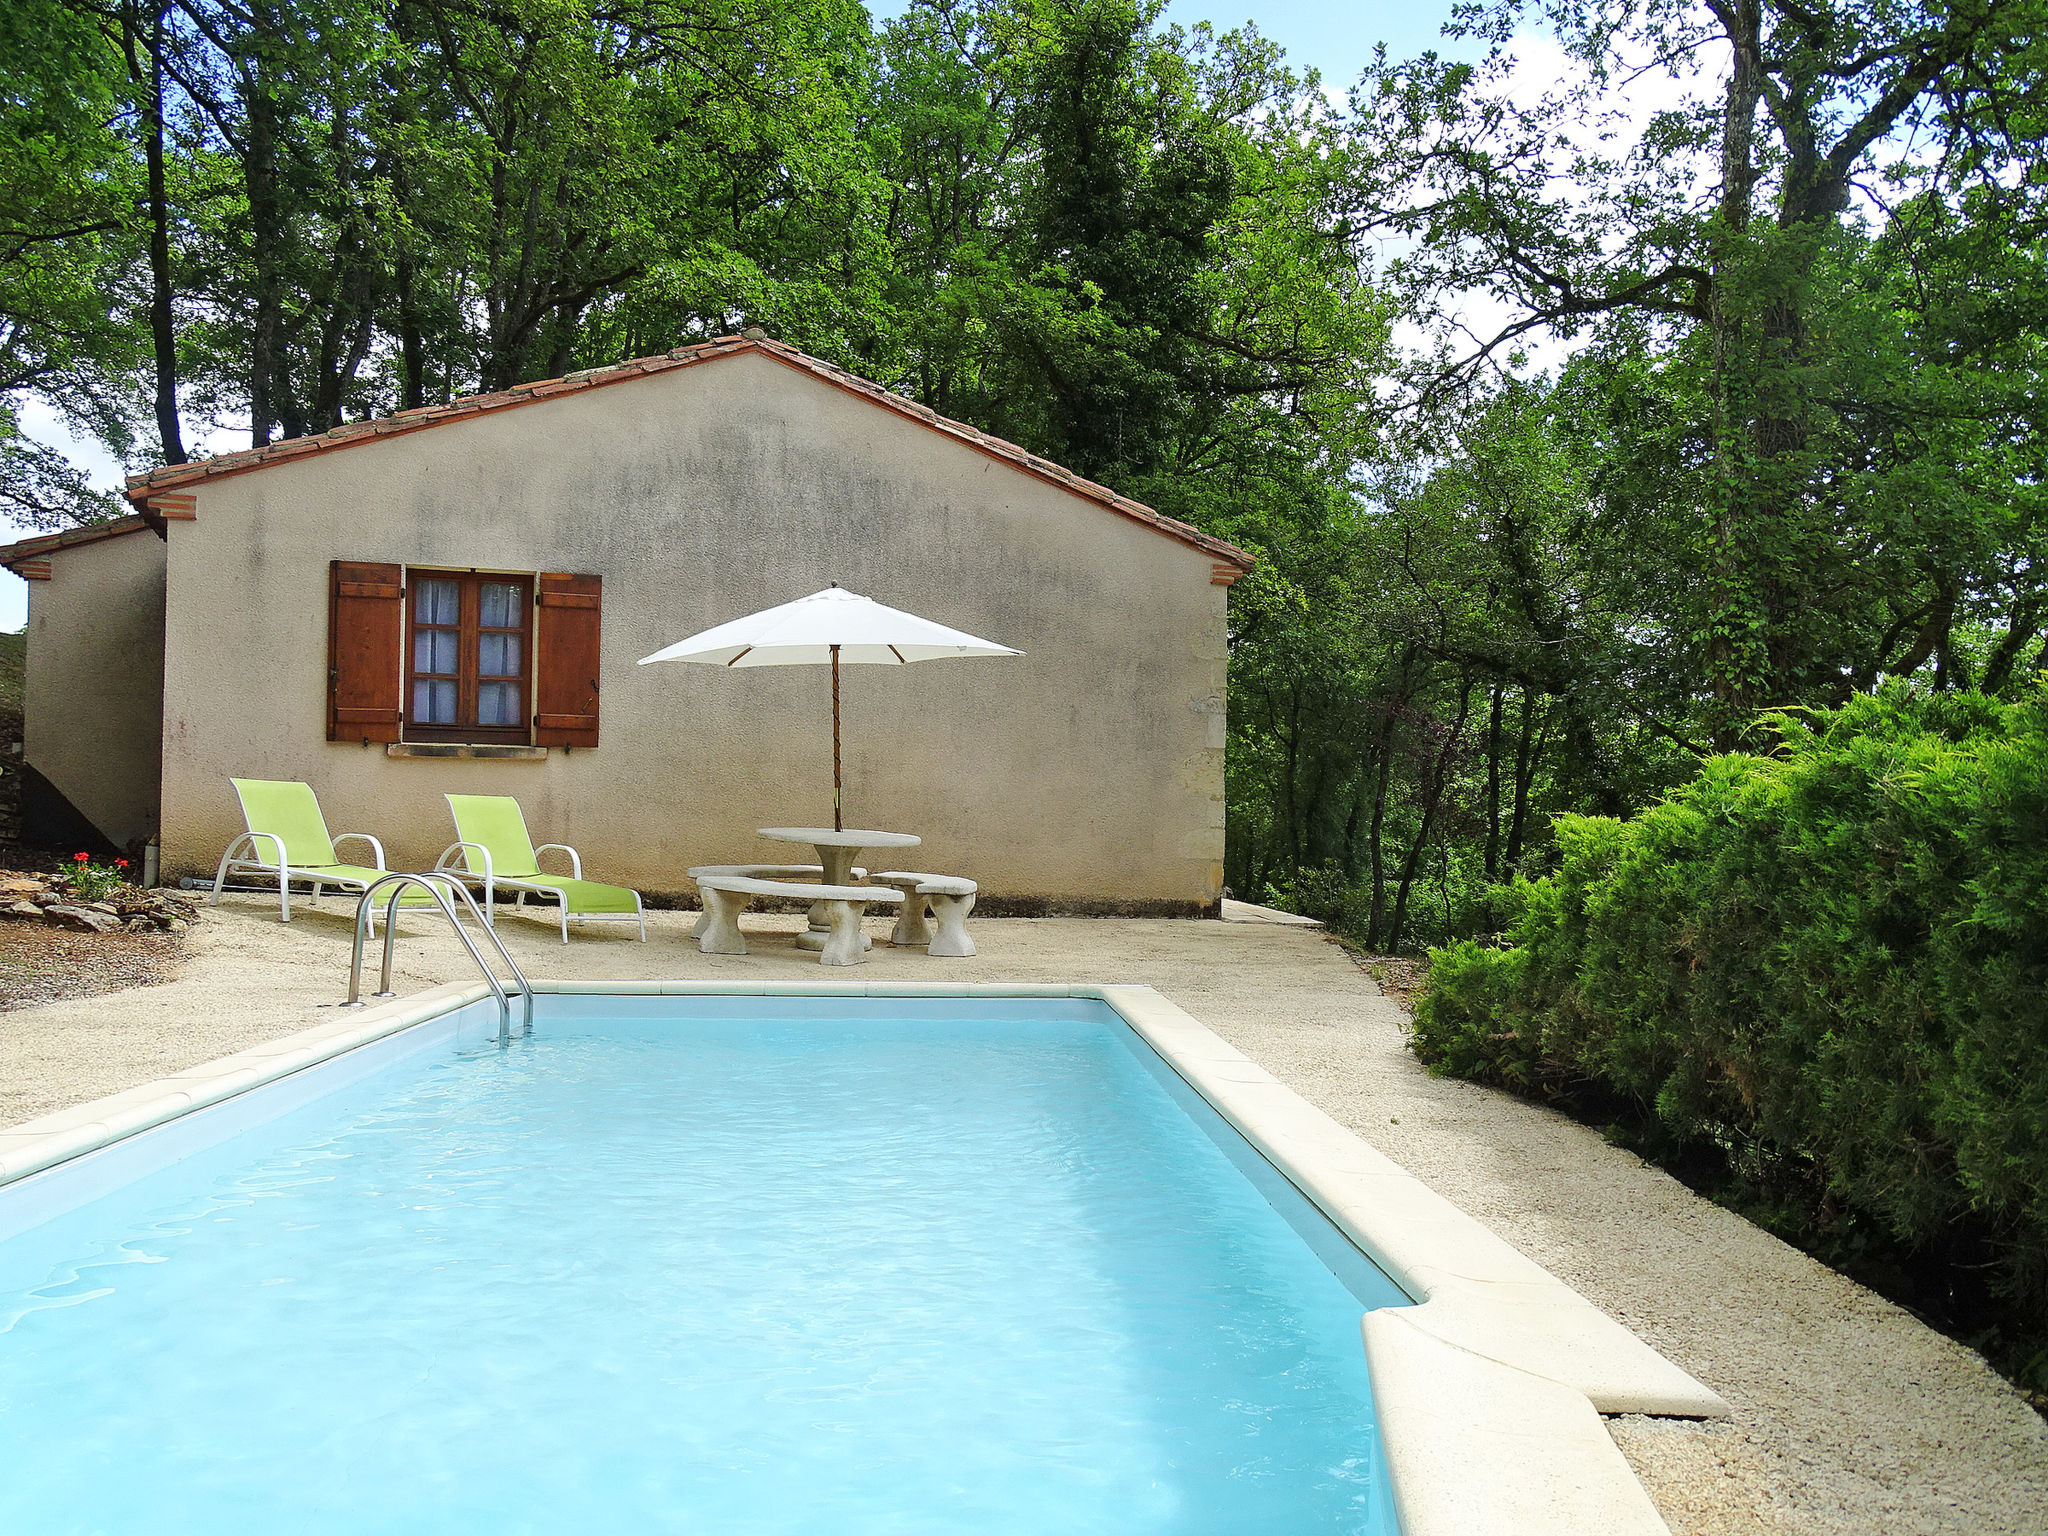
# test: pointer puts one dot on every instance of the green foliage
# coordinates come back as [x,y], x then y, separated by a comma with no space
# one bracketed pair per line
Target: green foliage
[1824,967]
[1117,243]
[13,675]
[1794,449]
[1322,893]
[1416,688]
[1815,415]
[65,230]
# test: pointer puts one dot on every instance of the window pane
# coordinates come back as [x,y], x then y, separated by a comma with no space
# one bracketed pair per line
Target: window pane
[497,704]
[433,703]
[433,650]
[498,655]
[436,602]
[500,608]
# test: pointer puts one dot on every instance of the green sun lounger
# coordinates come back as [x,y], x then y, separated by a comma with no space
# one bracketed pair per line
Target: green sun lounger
[284,821]
[494,847]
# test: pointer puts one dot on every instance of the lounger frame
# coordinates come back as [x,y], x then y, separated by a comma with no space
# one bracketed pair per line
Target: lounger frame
[456,859]
[285,873]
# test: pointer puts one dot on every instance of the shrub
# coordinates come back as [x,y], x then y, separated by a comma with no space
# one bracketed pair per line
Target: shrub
[1824,968]
[1322,893]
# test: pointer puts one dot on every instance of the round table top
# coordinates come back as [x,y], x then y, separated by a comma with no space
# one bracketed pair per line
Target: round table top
[852,837]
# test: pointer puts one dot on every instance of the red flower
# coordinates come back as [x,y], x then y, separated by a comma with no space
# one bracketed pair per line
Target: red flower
[81,858]
[120,863]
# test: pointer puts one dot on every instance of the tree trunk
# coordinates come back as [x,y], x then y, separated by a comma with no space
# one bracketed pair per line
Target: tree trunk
[1374,839]
[1289,830]
[1493,725]
[259,172]
[1433,794]
[1525,775]
[1348,849]
[1397,701]
[2024,624]
[412,347]
[162,329]
[1732,615]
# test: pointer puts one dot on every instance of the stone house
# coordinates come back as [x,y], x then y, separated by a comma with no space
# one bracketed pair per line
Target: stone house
[454,598]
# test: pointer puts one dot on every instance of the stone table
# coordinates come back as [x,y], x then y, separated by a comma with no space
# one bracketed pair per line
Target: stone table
[838,851]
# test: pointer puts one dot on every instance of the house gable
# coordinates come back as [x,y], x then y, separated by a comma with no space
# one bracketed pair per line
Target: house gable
[169,491]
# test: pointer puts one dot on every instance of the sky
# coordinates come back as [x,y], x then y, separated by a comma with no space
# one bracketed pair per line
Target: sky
[1336,37]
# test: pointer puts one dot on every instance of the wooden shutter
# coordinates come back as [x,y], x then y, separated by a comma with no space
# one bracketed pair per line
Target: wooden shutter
[565,660]
[365,651]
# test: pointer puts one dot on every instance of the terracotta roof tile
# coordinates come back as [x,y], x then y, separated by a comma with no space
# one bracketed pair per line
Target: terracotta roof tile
[26,550]
[420,418]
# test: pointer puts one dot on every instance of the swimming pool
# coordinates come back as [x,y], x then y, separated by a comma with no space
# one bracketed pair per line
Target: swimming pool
[705,1263]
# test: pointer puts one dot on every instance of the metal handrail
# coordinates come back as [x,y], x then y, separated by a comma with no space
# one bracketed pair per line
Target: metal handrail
[490,932]
[434,885]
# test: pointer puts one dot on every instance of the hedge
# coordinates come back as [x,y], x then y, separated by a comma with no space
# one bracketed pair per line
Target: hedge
[1825,965]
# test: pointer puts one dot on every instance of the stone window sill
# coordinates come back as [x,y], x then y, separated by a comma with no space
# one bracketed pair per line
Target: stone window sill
[457,749]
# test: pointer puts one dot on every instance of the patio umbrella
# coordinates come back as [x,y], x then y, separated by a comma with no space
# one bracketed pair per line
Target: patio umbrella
[834,625]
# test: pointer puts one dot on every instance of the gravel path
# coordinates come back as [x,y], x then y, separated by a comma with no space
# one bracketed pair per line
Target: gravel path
[1850,1417]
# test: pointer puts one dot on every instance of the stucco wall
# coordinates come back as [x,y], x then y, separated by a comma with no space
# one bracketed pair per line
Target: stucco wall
[94,687]
[1089,770]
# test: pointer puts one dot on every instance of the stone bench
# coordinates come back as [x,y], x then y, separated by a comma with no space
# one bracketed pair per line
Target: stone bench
[949,898]
[752,872]
[727,896]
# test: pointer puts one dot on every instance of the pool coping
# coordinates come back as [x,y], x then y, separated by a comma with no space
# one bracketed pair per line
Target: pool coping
[1490,1387]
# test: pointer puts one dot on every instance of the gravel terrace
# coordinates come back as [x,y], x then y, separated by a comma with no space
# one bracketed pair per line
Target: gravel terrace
[39,964]
[1850,1416]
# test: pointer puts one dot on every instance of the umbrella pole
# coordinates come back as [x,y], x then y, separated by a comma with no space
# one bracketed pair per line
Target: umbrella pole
[838,824]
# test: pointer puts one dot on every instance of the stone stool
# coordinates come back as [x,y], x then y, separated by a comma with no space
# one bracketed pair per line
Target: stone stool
[949,899]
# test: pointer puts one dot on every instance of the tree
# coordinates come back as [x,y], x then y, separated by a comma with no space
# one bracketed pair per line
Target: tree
[65,236]
[1728,238]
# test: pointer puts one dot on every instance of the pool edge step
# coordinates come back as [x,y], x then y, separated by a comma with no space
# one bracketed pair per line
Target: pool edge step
[1477,1448]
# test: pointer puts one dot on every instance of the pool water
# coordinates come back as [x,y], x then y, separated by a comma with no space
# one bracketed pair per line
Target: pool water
[995,1271]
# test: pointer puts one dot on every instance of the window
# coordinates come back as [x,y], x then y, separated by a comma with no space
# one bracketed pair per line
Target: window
[495,659]
[467,657]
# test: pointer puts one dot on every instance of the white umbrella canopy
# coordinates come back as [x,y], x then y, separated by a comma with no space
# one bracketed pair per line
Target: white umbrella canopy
[828,625]
[833,626]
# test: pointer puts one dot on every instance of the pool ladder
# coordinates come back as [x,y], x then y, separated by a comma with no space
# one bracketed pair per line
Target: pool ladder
[438,885]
